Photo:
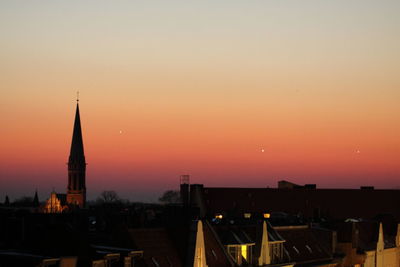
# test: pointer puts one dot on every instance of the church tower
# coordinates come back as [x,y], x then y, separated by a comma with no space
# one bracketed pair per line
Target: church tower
[76,193]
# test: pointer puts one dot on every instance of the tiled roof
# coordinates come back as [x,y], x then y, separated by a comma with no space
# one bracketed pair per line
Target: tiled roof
[157,246]
[302,245]
[215,254]
[273,235]
[254,231]
[325,238]
[171,247]
[233,235]
[367,235]
[368,232]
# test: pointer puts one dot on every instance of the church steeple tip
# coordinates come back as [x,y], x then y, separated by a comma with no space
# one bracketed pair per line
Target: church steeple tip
[77,152]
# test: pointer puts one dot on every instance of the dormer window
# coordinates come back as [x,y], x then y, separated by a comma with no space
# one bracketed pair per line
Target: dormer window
[244,252]
[241,253]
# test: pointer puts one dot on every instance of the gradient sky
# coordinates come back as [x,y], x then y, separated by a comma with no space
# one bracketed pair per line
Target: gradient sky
[199,88]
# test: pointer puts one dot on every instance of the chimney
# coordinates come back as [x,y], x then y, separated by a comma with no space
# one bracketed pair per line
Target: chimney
[184,189]
[310,186]
[197,198]
[334,241]
[354,235]
[367,187]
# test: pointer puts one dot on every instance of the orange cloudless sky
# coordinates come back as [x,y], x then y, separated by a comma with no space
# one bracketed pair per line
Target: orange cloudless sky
[234,93]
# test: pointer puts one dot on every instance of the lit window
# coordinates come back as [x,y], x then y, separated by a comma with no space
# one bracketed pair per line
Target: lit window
[266,215]
[244,251]
[218,216]
[247,215]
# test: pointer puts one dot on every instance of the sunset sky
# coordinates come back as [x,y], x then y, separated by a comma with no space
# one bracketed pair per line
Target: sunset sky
[200,88]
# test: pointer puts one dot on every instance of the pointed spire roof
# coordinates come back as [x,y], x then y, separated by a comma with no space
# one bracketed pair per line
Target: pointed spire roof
[200,251]
[77,154]
[36,199]
[264,258]
[381,241]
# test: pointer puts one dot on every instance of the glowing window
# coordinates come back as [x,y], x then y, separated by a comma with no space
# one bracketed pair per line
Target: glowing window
[266,215]
[247,215]
[244,251]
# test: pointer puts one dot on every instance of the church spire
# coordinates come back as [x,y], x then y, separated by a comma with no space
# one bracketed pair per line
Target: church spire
[77,154]
[36,199]
[76,194]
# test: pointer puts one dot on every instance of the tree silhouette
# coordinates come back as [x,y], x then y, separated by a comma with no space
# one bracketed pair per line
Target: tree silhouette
[108,197]
[170,196]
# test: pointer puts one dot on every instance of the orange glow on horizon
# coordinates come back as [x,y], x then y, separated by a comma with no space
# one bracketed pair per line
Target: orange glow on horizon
[243,95]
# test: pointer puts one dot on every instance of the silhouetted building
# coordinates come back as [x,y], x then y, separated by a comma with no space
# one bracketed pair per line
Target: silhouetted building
[307,201]
[184,189]
[7,201]
[76,193]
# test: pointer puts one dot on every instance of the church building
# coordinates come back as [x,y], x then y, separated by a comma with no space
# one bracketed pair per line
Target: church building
[76,190]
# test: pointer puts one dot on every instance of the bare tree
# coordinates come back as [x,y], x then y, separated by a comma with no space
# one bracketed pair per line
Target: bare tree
[170,196]
[108,197]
